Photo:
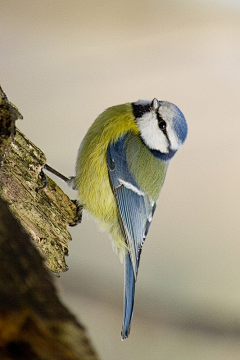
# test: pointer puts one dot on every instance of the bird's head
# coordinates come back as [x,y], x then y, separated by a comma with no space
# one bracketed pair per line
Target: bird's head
[162,125]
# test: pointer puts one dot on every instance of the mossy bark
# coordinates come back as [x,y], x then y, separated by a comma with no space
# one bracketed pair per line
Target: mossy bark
[46,213]
[34,324]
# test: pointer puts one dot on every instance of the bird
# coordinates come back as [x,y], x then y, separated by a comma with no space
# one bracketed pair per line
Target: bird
[120,170]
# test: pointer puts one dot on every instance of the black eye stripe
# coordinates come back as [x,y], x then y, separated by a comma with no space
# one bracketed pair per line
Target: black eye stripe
[161,123]
[163,126]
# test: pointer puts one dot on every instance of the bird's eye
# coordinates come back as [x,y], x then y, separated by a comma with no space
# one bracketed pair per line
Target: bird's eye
[162,125]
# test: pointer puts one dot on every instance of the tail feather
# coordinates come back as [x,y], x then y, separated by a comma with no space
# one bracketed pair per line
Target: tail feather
[129,292]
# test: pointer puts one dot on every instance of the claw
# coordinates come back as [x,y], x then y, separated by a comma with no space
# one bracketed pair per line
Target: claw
[44,181]
[78,218]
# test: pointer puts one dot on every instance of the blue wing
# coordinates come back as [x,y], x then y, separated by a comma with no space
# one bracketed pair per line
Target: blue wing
[135,215]
[135,209]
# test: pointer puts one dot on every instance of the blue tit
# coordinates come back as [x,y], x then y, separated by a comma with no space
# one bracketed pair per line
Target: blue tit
[120,170]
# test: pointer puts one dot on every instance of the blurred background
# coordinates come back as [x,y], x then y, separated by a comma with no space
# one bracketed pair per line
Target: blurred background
[64,62]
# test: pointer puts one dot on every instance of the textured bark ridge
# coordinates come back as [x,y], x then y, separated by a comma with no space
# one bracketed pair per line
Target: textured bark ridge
[46,213]
[34,325]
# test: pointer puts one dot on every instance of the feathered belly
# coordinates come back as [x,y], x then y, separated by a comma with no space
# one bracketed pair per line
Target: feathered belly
[96,196]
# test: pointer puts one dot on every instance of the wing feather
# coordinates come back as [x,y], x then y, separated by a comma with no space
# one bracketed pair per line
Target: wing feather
[135,209]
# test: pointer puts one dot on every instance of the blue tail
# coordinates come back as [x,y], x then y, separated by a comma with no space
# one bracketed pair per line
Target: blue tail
[129,292]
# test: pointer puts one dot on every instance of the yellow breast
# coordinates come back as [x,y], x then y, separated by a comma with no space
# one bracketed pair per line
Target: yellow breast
[92,181]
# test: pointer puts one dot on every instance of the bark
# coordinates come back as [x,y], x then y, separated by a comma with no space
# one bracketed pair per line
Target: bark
[33,233]
[34,325]
[46,213]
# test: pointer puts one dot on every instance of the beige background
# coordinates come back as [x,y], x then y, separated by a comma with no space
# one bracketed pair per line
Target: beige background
[64,62]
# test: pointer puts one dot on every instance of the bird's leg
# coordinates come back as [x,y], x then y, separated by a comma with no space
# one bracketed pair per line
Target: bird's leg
[70,181]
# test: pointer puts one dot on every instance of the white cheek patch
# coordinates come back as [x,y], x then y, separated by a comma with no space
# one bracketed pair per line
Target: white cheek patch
[151,134]
[174,141]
